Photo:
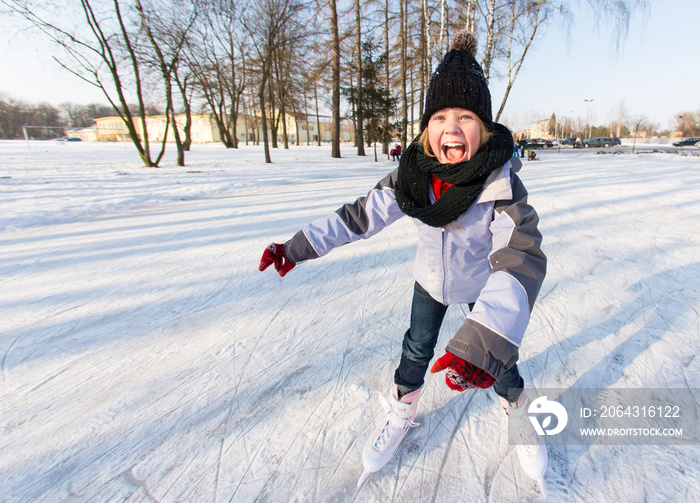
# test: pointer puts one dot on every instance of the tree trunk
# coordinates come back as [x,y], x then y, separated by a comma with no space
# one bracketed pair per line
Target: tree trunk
[490,35]
[358,41]
[187,128]
[166,75]
[335,141]
[387,68]
[442,43]
[263,114]
[274,119]
[285,137]
[296,121]
[404,98]
[233,96]
[424,67]
[143,146]
[470,25]
[513,71]
[306,117]
[353,111]
[318,119]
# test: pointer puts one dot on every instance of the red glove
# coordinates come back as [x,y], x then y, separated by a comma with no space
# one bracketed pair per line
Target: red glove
[462,375]
[275,254]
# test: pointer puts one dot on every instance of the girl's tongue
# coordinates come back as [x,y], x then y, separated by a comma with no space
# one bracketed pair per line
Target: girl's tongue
[453,152]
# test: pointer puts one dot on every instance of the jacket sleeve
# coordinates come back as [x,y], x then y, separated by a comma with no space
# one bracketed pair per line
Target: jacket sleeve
[493,331]
[353,221]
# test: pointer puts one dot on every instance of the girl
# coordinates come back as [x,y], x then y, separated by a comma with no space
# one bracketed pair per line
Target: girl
[478,244]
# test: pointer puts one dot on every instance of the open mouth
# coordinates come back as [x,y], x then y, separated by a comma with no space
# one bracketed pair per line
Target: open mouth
[453,152]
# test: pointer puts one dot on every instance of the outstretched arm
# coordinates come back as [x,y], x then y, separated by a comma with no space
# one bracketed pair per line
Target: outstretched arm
[361,219]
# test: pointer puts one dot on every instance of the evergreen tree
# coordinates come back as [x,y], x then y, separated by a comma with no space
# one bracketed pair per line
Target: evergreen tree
[377,102]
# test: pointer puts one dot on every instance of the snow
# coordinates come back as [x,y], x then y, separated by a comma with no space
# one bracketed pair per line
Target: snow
[144,357]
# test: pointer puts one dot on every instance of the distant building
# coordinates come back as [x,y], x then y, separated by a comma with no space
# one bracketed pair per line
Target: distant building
[540,129]
[84,134]
[204,129]
[310,128]
[521,135]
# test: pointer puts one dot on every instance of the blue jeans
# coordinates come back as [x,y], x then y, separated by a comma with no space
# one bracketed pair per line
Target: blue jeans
[419,344]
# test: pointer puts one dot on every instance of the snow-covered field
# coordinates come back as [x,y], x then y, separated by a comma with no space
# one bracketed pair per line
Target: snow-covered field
[144,358]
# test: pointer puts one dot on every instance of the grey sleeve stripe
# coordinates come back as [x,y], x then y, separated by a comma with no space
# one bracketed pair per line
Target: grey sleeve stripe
[321,235]
[522,257]
[299,248]
[484,348]
[355,215]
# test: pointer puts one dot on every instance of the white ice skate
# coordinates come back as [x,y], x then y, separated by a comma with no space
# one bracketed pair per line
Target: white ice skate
[387,437]
[532,453]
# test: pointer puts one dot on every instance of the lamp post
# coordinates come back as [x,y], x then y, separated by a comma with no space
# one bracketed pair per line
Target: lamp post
[588,109]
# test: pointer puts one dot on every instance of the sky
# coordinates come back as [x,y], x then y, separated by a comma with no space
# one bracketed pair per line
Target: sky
[655,70]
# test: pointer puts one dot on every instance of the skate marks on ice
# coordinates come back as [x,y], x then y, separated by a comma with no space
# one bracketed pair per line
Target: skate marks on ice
[510,483]
[170,369]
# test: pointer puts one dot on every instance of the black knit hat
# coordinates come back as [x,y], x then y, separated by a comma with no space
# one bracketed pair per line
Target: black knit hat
[459,82]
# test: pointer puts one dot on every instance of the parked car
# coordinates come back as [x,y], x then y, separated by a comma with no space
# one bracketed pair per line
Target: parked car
[538,143]
[68,138]
[567,141]
[601,142]
[686,142]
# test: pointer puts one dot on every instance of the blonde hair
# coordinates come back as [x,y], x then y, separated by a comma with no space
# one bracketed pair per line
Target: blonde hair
[485,134]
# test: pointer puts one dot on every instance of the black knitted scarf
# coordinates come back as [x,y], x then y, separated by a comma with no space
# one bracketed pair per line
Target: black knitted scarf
[467,178]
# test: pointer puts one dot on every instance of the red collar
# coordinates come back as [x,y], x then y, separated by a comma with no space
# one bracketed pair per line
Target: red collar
[439,187]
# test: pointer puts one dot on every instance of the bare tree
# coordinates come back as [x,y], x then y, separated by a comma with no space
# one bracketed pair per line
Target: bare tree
[511,28]
[620,116]
[80,116]
[636,123]
[14,114]
[166,57]
[217,58]
[102,51]
[688,122]
[271,25]
[288,76]
[281,63]
[523,26]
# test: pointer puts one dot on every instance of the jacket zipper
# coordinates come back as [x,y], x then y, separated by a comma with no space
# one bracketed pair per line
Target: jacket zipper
[444,266]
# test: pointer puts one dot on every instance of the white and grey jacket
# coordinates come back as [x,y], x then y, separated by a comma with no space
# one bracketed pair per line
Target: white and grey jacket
[489,257]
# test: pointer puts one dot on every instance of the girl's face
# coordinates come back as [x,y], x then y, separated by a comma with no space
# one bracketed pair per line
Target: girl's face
[454,135]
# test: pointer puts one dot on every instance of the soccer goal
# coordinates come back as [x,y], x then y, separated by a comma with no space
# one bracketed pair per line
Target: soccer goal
[43,132]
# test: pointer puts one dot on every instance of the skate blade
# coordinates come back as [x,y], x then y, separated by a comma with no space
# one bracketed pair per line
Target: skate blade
[365,475]
[543,487]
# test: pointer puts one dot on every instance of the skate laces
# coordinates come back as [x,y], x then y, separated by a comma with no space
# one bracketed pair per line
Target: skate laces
[397,419]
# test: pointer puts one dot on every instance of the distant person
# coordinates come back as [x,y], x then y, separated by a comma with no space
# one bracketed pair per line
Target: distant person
[522,144]
[396,152]
[478,245]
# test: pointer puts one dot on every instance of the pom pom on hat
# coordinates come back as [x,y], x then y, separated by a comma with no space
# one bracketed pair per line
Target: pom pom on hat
[465,41]
[459,81]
